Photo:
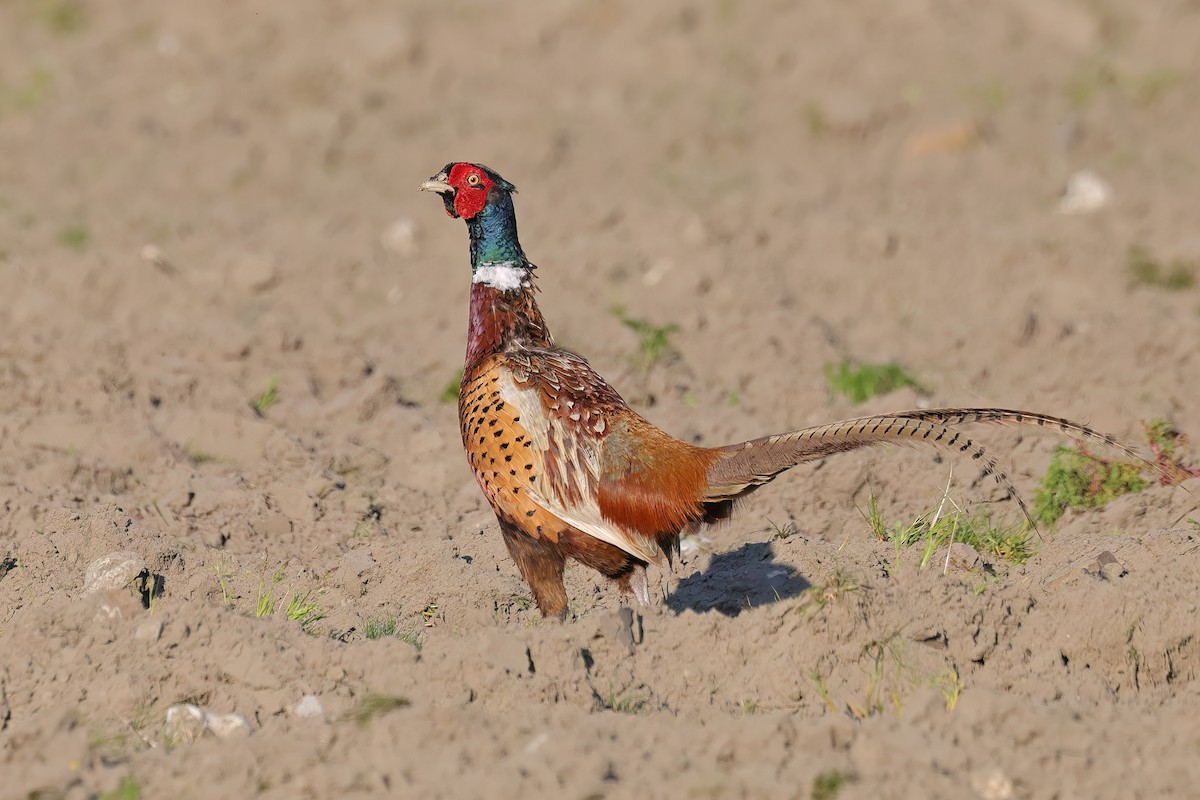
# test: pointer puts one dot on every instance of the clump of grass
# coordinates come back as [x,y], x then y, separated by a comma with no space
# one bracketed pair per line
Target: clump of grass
[15,99]
[127,789]
[61,16]
[303,609]
[950,685]
[1083,89]
[883,653]
[386,627]
[992,95]
[623,701]
[821,687]
[449,393]
[373,704]
[76,237]
[1149,87]
[815,119]
[196,454]
[1172,452]
[1146,270]
[781,532]
[226,589]
[1079,480]
[268,397]
[861,382]
[827,785]
[932,531]
[266,603]
[818,598]
[379,628]
[654,341]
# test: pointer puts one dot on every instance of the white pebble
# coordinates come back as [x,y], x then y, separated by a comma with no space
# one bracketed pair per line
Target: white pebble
[1086,193]
[226,726]
[309,707]
[113,571]
[185,724]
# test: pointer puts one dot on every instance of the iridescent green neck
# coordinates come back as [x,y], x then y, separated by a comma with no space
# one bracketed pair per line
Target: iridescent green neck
[494,233]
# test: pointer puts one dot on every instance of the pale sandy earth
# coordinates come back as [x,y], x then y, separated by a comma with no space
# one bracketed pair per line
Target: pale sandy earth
[199,199]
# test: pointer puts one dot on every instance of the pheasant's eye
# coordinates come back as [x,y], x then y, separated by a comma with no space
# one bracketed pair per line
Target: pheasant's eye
[472,179]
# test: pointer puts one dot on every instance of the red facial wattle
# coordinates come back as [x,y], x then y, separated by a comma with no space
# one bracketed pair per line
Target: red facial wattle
[471,187]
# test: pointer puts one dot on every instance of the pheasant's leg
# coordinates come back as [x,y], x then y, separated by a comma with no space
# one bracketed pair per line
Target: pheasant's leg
[541,563]
[639,584]
[612,562]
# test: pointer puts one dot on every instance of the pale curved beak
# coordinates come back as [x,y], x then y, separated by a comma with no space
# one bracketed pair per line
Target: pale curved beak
[434,185]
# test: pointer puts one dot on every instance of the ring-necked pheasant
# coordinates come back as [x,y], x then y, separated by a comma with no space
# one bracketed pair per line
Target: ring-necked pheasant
[571,471]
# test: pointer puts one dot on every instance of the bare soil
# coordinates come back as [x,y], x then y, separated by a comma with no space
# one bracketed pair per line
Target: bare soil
[202,205]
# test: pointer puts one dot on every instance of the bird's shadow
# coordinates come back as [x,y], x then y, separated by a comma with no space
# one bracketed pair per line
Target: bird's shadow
[735,581]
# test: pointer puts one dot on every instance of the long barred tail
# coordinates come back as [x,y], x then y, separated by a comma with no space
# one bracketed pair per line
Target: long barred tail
[1005,416]
[740,468]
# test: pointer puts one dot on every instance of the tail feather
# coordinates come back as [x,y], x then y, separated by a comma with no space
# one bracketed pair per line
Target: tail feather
[1005,416]
[740,468]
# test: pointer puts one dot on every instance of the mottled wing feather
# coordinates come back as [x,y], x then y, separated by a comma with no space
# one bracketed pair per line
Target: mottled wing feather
[534,425]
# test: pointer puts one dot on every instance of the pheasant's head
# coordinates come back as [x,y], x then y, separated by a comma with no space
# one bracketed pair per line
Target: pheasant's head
[467,189]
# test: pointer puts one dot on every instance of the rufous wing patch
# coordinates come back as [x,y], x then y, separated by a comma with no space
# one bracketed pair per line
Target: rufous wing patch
[651,483]
[568,438]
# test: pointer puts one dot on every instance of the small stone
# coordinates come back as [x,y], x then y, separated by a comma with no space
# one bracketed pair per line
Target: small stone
[254,272]
[227,726]
[1105,565]
[149,631]
[963,556]
[185,724]
[991,784]
[536,742]
[309,707]
[657,271]
[153,254]
[619,628]
[694,544]
[508,654]
[1086,193]
[113,571]
[400,237]
[116,604]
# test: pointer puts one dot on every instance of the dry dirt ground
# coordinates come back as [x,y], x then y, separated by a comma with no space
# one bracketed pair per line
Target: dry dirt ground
[199,202]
